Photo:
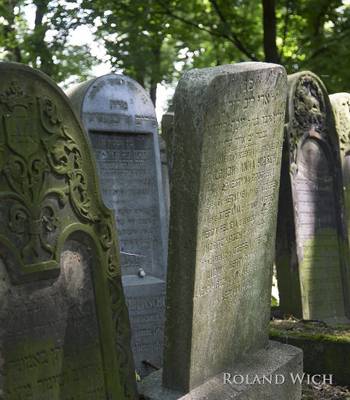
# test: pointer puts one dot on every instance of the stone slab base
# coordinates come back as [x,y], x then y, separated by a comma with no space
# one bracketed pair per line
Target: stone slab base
[265,375]
[145,298]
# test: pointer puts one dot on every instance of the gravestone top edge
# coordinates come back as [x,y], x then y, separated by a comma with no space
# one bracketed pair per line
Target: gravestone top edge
[200,81]
[305,87]
[128,109]
[341,109]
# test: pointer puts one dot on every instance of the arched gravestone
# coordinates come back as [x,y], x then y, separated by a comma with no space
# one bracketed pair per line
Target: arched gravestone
[341,109]
[120,119]
[311,254]
[64,329]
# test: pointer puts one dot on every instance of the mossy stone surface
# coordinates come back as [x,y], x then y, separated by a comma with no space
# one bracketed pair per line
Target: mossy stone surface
[312,255]
[64,328]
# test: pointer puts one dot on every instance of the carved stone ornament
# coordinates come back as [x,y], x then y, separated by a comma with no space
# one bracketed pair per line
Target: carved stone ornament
[48,190]
[307,115]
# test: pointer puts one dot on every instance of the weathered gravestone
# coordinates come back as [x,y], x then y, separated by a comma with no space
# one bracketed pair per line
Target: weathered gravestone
[341,110]
[120,119]
[167,128]
[228,135]
[165,179]
[64,329]
[311,248]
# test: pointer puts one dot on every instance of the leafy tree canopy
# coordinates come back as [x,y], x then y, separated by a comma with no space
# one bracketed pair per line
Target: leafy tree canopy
[154,40]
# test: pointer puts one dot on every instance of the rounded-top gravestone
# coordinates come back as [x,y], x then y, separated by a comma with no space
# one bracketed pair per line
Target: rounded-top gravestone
[64,329]
[121,122]
[311,250]
[341,109]
[120,119]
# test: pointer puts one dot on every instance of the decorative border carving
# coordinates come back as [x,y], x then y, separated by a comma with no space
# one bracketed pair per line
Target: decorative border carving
[308,117]
[45,188]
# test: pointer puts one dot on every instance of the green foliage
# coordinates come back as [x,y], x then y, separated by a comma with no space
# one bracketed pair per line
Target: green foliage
[45,46]
[154,40]
[151,40]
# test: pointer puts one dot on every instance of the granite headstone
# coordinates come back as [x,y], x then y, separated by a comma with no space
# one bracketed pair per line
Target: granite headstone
[311,248]
[64,328]
[224,192]
[121,122]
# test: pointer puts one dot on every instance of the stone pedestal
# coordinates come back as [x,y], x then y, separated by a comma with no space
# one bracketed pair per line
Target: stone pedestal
[269,374]
[145,299]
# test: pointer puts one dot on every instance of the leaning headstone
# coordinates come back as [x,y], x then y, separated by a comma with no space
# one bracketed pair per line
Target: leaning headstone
[121,122]
[64,328]
[341,110]
[228,135]
[311,249]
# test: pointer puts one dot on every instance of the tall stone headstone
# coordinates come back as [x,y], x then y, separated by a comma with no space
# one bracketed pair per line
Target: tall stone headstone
[341,110]
[167,133]
[165,179]
[121,122]
[64,328]
[311,250]
[228,136]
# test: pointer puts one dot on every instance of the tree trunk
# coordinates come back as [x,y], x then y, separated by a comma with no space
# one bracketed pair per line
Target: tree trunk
[11,46]
[40,46]
[155,72]
[269,22]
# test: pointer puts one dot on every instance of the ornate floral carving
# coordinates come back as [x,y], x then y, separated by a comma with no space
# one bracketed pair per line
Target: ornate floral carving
[309,113]
[30,152]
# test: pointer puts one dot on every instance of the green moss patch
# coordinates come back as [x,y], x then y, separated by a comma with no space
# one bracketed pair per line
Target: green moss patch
[313,330]
[326,348]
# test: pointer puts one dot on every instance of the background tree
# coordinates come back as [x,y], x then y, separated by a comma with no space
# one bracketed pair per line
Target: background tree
[46,45]
[155,40]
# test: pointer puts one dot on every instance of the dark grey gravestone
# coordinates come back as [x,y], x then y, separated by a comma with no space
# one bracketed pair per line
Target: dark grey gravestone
[167,130]
[228,136]
[64,328]
[120,119]
[165,179]
[312,250]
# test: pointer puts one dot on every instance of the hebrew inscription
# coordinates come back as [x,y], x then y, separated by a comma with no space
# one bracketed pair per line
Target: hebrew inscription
[49,335]
[228,138]
[127,171]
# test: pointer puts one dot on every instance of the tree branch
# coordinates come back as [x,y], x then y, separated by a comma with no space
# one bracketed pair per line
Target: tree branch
[233,37]
[211,32]
[270,31]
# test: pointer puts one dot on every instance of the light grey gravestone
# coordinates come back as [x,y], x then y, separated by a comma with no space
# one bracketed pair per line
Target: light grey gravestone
[311,250]
[64,328]
[228,135]
[341,110]
[121,122]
